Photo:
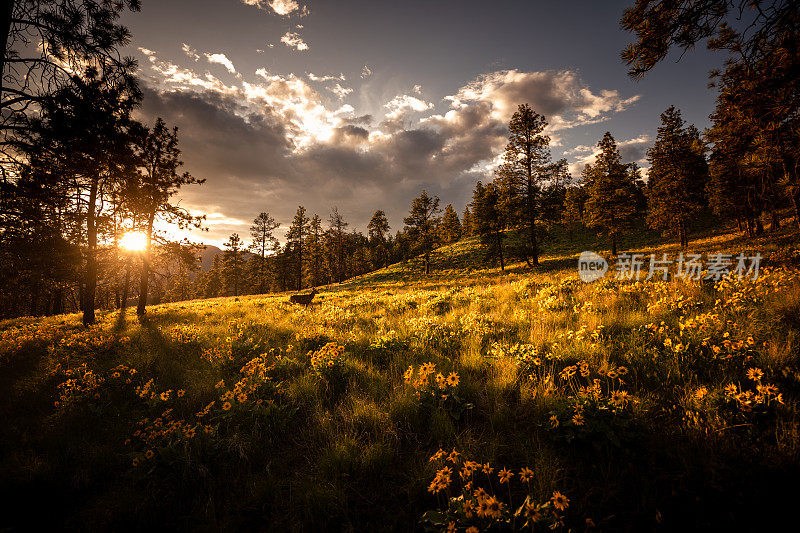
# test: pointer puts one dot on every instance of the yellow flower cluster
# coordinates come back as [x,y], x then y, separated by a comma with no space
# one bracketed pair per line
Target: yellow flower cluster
[425,379]
[673,302]
[25,331]
[219,353]
[476,506]
[81,382]
[523,353]
[329,356]
[763,395]
[185,334]
[87,341]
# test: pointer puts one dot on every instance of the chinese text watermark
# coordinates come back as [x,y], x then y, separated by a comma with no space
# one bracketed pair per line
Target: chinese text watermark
[638,266]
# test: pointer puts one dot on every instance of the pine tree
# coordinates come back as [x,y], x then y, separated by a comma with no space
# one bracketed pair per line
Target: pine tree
[489,220]
[150,194]
[450,228]
[233,263]
[43,43]
[466,223]
[281,262]
[422,224]
[525,167]
[377,231]
[88,131]
[401,246]
[574,207]
[213,279]
[336,244]
[295,242]
[611,200]
[263,240]
[315,252]
[677,176]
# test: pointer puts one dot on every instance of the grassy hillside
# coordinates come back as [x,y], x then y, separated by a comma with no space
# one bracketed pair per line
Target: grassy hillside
[498,401]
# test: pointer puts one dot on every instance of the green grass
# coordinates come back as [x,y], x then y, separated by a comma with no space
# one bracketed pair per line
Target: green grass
[341,440]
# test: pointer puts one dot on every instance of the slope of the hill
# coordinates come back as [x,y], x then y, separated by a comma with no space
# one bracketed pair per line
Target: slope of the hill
[464,260]
[617,405]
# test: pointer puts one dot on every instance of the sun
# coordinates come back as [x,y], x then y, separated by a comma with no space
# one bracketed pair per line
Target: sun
[134,241]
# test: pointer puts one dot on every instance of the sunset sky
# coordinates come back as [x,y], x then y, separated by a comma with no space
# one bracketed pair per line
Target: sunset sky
[361,104]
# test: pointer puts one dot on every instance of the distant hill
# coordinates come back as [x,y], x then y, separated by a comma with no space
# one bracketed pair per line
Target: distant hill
[207,257]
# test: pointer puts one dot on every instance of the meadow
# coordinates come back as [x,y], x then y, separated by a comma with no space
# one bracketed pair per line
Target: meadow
[467,400]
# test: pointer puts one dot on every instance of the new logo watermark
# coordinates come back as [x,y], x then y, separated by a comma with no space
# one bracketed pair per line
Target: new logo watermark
[591,266]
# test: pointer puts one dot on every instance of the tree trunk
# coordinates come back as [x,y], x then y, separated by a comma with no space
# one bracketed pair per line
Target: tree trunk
[775,223]
[796,202]
[90,283]
[613,243]
[532,222]
[500,251]
[300,263]
[123,303]
[427,262]
[759,226]
[683,234]
[262,267]
[145,276]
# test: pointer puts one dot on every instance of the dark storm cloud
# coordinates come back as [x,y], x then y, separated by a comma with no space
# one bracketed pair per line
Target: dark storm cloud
[218,137]
[350,134]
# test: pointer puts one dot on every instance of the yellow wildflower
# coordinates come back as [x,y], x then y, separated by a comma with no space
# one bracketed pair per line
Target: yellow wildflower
[560,502]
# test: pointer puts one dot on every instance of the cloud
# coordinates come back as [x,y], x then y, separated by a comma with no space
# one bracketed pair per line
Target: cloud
[168,73]
[562,96]
[403,103]
[273,141]
[279,7]
[631,150]
[293,40]
[191,52]
[579,149]
[366,72]
[314,77]
[222,60]
[287,7]
[340,91]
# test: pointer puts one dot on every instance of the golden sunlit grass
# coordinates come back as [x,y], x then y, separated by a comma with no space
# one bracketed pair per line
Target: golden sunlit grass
[565,394]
